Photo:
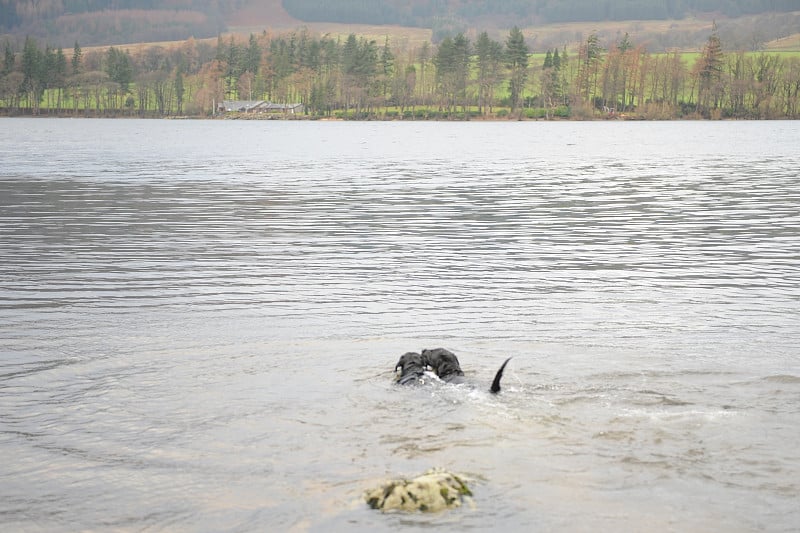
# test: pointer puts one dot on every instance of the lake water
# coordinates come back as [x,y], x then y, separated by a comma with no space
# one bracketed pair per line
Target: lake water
[199,322]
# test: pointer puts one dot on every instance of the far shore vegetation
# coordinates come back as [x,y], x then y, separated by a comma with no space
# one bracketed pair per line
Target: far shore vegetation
[364,78]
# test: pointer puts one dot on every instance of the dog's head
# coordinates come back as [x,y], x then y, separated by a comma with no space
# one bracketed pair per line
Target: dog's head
[443,362]
[411,368]
[409,361]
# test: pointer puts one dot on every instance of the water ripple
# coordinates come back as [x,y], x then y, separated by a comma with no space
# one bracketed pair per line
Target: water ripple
[200,333]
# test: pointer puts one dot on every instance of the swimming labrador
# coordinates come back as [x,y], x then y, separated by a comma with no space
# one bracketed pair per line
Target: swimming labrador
[412,369]
[443,362]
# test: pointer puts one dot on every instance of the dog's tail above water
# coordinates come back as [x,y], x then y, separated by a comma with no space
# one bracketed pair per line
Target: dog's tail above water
[496,383]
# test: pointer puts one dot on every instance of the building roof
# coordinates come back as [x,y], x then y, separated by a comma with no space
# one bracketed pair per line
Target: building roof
[246,106]
[241,105]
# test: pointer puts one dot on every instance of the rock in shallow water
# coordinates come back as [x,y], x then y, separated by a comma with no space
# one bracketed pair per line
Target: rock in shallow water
[435,490]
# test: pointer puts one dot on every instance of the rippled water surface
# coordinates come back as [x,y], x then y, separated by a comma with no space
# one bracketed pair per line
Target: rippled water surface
[199,322]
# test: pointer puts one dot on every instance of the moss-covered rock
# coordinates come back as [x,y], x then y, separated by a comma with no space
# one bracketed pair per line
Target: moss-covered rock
[435,490]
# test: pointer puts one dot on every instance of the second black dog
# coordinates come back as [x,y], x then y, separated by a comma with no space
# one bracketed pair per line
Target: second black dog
[444,363]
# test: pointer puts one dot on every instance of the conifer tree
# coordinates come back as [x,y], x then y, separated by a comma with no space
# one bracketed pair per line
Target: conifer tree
[119,68]
[517,63]
[77,55]
[8,59]
[387,68]
[490,56]
[710,72]
[33,71]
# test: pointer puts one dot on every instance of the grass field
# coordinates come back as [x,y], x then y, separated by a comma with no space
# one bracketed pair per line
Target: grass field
[790,43]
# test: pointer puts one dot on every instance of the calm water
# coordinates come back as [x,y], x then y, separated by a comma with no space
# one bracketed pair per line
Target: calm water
[199,321]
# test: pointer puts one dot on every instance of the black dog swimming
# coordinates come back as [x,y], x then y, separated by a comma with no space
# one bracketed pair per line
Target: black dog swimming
[412,369]
[443,362]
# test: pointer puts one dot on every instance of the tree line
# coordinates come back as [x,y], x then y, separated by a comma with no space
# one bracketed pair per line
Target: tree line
[357,77]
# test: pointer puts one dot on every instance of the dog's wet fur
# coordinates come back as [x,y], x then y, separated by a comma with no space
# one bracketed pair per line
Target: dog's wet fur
[412,369]
[444,364]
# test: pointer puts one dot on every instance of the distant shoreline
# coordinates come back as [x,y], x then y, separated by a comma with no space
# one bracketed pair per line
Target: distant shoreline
[624,117]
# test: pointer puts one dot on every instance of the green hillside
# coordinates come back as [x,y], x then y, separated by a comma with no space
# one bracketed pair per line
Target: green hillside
[105,22]
[428,12]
